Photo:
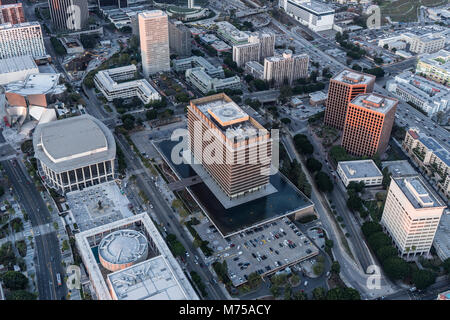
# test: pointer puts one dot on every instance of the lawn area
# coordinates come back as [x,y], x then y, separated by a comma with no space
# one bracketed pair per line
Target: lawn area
[406,10]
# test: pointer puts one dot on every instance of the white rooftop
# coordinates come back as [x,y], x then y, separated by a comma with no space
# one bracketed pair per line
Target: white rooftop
[353,77]
[123,246]
[418,194]
[40,83]
[17,64]
[375,102]
[360,169]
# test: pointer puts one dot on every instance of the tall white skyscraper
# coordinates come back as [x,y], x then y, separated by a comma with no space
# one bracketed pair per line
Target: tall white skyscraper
[154,36]
[21,39]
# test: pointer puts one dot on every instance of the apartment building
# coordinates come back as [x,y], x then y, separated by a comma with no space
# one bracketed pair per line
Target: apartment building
[12,13]
[259,46]
[244,145]
[154,39]
[432,158]
[286,68]
[411,215]
[344,87]
[368,124]
[21,39]
[428,95]
[69,14]
[435,66]
[255,69]
[180,38]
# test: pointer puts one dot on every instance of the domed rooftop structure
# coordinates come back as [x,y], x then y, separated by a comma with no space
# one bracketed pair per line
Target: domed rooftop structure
[122,248]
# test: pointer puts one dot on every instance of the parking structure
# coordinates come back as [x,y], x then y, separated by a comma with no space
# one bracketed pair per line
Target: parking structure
[264,250]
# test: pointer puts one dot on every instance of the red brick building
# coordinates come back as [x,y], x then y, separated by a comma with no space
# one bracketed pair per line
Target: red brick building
[368,124]
[12,13]
[345,86]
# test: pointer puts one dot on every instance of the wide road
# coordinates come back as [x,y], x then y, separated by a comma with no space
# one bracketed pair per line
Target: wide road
[166,215]
[47,250]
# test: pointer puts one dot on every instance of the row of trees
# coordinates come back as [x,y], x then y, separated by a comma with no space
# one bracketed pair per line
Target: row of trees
[395,267]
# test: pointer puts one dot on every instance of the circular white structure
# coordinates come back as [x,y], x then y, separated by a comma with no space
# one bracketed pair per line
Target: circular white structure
[122,248]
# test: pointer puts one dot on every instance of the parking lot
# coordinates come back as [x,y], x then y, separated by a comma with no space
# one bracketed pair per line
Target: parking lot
[264,250]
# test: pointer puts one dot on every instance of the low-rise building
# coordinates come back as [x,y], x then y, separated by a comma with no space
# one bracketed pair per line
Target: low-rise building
[205,83]
[16,69]
[428,95]
[317,98]
[435,66]
[198,62]
[427,43]
[255,69]
[74,153]
[230,34]
[316,15]
[411,215]
[112,83]
[431,157]
[72,45]
[359,171]
[442,238]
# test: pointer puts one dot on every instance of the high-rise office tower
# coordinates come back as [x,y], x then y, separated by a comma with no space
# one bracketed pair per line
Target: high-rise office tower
[368,124]
[179,38]
[239,157]
[21,39]
[154,38]
[286,68]
[411,215]
[69,14]
[12,13]
[267,45]
[345,86]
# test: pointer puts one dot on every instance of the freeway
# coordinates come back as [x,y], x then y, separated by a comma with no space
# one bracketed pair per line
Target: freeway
[165,214]
[47,250]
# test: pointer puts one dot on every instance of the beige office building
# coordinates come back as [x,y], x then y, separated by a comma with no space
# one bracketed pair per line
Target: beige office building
[286,68]
[411,215]
[154,39]
[259,46]
[243,164]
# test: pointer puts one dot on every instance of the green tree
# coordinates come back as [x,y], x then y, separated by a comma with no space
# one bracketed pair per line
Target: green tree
[378,240]
[386,252]
[423,278]
[313,165]
[446,265]
[275,290]
[299,295]
[335,267]
[319,293]
[21,295]
[396,268]
[14,280]
[340,293]
[324,182]
[370,227]
[254,279]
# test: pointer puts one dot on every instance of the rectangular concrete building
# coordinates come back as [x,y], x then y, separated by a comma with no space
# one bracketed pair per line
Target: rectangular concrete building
[154,40]
[368,124]
[411,215]
[360,170]
[345,86]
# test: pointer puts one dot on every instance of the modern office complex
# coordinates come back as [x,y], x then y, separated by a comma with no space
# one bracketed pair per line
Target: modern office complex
[21,39]
[112,83]
[432,158]
[74,153]
[345,86]
[198,62]
[435,66]
[368,124]
[230,34]
[16,69]
[180,38]
[154,36]
[199,78]
[12,13]
[317,16]
[286,68]
[359,171]
[259,46]
[69,14]
[244,145]
[135,262]
[428,95]
[427,43]
[411,215]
